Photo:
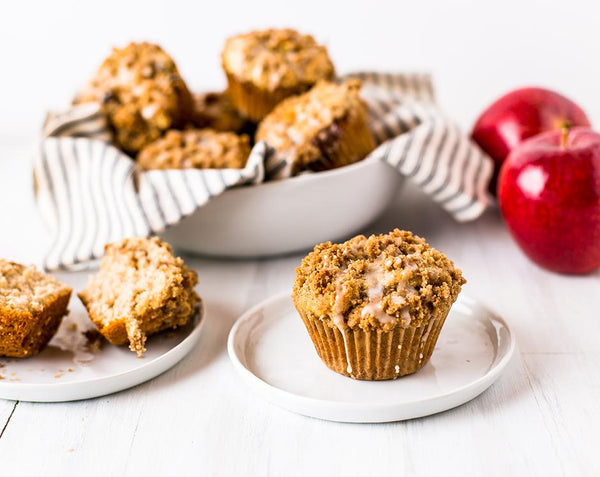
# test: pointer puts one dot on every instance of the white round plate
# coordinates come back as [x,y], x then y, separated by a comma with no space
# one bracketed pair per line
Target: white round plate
[255,221]
[69,370]
[272,351]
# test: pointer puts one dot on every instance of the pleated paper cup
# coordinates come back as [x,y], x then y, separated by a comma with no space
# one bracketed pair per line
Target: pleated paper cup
[344,142]
[255,103]
[374,354]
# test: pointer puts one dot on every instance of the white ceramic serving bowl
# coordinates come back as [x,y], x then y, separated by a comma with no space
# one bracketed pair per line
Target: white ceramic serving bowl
[290,215]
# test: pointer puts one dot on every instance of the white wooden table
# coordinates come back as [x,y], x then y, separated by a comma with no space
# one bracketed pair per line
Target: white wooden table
[541,418]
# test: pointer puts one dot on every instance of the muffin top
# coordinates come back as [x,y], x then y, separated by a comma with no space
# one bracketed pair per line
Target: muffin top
[299,127]
[272,59]
[383,281]
[214,110]
[196,148]
[142,91]
[26,289]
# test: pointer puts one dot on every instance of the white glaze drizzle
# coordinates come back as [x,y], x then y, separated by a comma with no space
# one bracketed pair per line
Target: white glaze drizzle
[338,318]
[376,278]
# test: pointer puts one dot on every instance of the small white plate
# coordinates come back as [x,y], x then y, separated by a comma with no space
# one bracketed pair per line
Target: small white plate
[272,351]
[68,370]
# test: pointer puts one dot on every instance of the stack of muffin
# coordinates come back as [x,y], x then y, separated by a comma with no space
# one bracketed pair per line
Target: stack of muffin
[280,91]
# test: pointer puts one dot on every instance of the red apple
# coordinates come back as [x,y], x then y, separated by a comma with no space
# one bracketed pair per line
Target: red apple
[549,195]
[519,115]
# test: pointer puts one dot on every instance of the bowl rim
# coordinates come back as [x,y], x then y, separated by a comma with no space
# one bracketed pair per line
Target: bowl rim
[324,175]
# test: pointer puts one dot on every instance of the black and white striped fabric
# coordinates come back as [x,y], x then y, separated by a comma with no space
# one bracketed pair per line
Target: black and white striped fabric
[91,194]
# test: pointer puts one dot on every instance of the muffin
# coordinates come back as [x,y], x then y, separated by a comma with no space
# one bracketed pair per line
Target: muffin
[142,93]
[32,306]
[318,130]
[265,67]
[140,289]
[374,307]
[196,148]
[215,111]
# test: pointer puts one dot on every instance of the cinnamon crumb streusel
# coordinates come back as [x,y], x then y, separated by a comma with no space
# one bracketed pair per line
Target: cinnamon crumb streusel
[32,306]
[264,67]
[140,289]
[196,148]
[142,92]
[382,281]
[321,129]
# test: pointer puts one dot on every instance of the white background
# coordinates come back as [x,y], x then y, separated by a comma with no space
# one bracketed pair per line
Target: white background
[541,418]
[476,49]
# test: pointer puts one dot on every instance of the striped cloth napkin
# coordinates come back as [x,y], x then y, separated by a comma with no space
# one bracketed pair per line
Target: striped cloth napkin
[91,193]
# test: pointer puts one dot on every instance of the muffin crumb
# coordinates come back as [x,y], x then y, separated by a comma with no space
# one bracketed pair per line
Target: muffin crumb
[140,289]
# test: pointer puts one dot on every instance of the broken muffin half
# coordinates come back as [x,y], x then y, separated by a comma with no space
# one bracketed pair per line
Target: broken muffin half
[140,289]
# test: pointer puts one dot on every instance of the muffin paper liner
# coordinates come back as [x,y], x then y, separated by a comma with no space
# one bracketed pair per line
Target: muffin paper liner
[354,142]
[254,103]
[91,193]
[373,355]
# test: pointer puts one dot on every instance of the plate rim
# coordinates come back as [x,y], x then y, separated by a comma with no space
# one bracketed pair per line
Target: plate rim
[486,380]
[191,338]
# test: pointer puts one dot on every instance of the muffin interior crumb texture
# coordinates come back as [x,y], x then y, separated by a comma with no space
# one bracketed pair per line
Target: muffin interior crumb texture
[378,282]
[140,289]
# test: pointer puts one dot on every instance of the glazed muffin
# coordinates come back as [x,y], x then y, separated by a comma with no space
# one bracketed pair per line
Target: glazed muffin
[319,130]
[196,148]
[142,92]
[374,307]
[140,289]
[32,306]
[265,67]
[215,111]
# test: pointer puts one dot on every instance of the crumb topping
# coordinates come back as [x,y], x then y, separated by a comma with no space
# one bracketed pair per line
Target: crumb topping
[274,59]
[142,91]
[382,281]
[26,289]
[196,148]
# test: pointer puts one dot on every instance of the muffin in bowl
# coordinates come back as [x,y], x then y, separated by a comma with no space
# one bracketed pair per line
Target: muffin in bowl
[322,129]
[142,92]
[374,307]
[265,67]
[196,148]
[214,110]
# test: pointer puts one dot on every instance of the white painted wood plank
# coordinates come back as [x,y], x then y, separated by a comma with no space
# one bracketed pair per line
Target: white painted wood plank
[567,389]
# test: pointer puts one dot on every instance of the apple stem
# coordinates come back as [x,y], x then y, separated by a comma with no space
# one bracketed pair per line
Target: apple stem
[565,134]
